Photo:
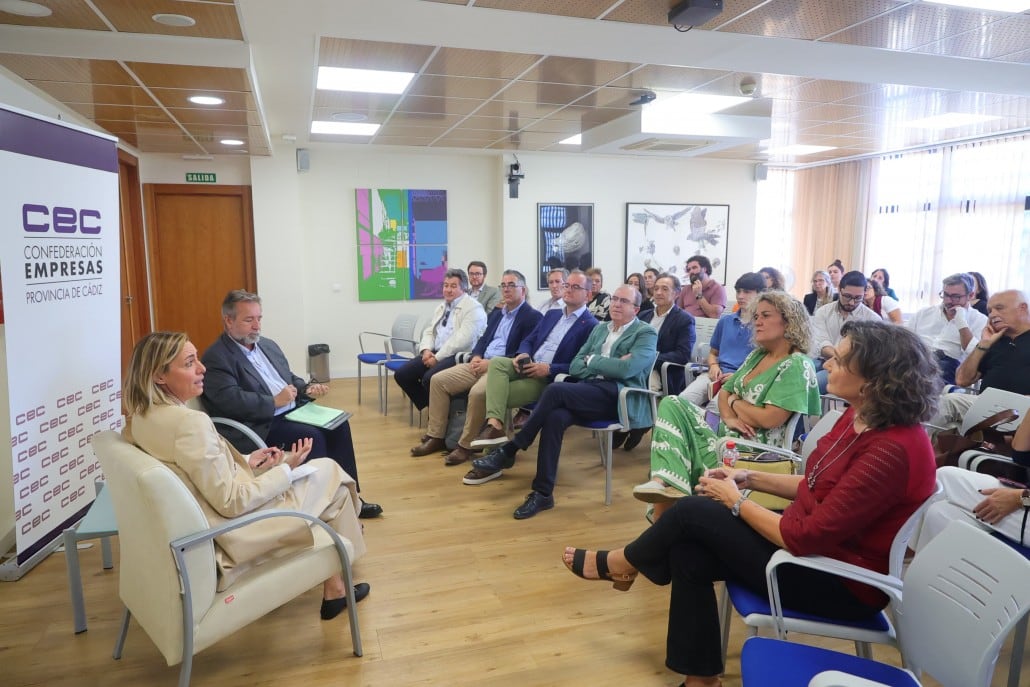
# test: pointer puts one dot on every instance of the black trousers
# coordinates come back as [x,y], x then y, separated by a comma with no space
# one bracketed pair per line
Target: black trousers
[413,378]
[560,406]
[332,443]
[697,542]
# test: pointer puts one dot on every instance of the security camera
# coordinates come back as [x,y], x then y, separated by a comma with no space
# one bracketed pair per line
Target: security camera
[747,86]
[515,172]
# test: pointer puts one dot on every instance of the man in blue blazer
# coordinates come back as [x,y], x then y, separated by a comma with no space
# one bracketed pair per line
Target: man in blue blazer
[506,327]
[248,379]
[617,354]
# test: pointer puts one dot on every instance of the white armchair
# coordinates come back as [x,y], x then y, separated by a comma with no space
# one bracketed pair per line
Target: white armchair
[168,575]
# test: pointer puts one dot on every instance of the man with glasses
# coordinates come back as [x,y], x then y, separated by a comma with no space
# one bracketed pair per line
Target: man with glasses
[556,284]
[952,328]
[546,352]
[829,318]
[506,327]
[618,353]
[488,296]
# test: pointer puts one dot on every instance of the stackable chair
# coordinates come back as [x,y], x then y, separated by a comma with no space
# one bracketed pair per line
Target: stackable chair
[963,594]
[98,523]
[168,573]
[403,328]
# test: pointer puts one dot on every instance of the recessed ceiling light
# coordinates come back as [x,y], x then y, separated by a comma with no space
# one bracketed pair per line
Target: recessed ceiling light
[348,117]
[344,128]
[948,120]
[206,100]
[231,142]
[25,9]
[363,80]
[993,5]
[572,140]
[176,20]
[798,149]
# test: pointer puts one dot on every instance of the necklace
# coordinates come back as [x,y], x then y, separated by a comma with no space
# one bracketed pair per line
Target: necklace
[819,468]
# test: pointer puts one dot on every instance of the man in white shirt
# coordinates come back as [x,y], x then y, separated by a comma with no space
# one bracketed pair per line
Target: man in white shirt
[556,280]
[829,318]
[952,328]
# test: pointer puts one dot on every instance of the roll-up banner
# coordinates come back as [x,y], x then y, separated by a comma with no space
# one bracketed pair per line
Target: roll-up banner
[59,265]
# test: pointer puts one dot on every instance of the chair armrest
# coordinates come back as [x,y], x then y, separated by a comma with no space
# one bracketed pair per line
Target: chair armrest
[624,407]
[463,357]
[979,459]
[561,377]
[664,372]
[888,584]
[243,429]
[361,341]
[389,349]
[835,678]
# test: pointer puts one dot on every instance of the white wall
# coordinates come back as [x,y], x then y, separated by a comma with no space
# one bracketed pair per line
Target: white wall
[230,170]
[305,236]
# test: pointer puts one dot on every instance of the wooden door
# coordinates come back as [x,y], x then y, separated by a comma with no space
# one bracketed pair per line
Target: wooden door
[135,311]
[201,246]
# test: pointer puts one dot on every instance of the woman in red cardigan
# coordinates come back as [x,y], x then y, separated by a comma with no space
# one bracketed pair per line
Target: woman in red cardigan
[864,479]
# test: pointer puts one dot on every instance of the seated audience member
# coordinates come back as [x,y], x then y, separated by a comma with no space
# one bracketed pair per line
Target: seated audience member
[829,318]
[599,300]
[650,277]
[951,328]
[980,296]
[676,336]
[877,300]
[164,373]
[836,272]
[556,286]
[1001,360]
[618,353]
[488,296]
[249,380]
[546,352]
[862,482]
[881,275]
[455,326]
[773,279]
[776,380]
[705,297]
[972,494]
[506,327]
[822,292]
[646,305]
[731,341]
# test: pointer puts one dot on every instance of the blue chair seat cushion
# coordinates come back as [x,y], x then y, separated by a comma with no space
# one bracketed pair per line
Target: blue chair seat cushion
[765,661]
[601,424]
[371,358]
[747,602]
[395,364]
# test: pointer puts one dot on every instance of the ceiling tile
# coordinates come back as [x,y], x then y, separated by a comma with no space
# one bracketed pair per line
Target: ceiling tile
[214,19]
[482,63]
[198,116]
[404,140]
[189,77]
[455,87]
[419,103]
[67,14]
[358,54]
[544,93]
[68,69]
[1001,37]
[569,70]
[178,97]
[566,8]
[807,19]
[912,26]
[660,77]
[98,95]
[502,107]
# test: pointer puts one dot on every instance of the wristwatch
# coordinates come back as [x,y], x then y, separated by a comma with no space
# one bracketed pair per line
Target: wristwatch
[1025,498]
[736,506]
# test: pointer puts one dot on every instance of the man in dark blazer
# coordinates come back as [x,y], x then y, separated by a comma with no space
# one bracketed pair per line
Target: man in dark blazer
[506,327]
[248,379]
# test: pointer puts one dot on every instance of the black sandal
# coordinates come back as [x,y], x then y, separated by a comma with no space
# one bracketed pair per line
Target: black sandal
[619,582]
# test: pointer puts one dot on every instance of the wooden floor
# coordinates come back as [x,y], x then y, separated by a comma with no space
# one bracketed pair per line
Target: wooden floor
[462,594]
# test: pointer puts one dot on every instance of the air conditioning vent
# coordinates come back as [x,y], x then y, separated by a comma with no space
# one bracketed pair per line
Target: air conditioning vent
[666,145]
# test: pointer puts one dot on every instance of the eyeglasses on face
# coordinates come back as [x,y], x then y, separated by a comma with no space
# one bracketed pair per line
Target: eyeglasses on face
[575,287]
[952,296]
[850,297]
[511,285]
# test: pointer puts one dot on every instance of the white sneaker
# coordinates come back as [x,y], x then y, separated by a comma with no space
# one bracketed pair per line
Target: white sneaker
[656,492]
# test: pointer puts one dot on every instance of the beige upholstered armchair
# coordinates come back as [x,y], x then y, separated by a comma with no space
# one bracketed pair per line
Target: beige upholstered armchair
[168,574]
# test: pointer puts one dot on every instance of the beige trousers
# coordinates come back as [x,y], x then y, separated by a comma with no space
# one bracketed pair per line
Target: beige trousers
[452,382]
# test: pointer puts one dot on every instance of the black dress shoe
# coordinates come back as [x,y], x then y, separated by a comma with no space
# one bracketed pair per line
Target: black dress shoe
[333,608]
[535,503]
[496,460]
[370,510]
[634,437]
[619,438]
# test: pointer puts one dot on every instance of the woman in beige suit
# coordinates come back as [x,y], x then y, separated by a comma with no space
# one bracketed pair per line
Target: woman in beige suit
[165,373]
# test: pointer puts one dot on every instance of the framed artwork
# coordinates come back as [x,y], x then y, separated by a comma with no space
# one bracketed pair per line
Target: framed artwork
[664,235]
[565,238]
[402,243]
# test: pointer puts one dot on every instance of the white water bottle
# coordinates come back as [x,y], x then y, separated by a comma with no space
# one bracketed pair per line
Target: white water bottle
[730,454]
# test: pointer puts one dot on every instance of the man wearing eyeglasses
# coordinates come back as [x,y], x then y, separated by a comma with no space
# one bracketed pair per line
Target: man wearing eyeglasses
[618,353]
[829,318]
[556,284]
[951,328]
[488,296]
[506,327]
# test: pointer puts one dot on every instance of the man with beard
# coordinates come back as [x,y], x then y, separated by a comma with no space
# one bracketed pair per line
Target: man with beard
[829,318]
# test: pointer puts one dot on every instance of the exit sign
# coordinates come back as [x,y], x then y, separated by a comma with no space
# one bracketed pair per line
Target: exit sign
[200,177]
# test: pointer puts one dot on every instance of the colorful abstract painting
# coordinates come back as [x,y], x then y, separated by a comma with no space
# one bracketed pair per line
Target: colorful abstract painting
[402,243]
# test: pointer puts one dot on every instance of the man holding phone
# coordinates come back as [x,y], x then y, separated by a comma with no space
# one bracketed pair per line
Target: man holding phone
[705,297]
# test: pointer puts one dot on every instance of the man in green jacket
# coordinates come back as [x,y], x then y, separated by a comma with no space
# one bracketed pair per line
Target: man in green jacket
[617,354]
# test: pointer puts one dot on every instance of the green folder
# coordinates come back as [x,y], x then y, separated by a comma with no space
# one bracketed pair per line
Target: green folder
[319,416]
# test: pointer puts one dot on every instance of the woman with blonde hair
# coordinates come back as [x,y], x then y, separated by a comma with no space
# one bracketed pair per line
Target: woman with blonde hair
[776,380]
[164,373]
[822,292]
[599,300]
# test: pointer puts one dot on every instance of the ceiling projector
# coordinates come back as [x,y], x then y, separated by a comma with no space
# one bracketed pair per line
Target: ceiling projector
[694,12]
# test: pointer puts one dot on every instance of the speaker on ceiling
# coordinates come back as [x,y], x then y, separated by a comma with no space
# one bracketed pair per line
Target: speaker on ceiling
[303,160]
[761,172]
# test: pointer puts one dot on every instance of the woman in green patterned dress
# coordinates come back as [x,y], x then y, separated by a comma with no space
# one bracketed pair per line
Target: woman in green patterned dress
[776,380]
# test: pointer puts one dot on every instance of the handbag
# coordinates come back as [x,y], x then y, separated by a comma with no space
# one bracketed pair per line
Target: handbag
[949,445]
[773,463]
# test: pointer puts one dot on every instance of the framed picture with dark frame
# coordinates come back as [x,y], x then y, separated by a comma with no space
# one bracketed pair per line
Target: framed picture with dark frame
[565,238]
[663,235]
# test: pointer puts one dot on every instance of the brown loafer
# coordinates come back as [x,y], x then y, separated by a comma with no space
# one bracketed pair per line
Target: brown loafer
[458,456]
[519,421]
[489,436]
[429,445]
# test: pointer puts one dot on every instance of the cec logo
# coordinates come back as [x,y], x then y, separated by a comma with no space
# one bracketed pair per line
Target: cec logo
[40,219]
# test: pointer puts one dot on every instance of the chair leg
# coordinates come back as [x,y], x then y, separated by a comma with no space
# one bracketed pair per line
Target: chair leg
[724,619]
[1018,643]
[119,643]
[864,650]
[605,440]
[71,559]
[105,553]
[359,382]
[187,668]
